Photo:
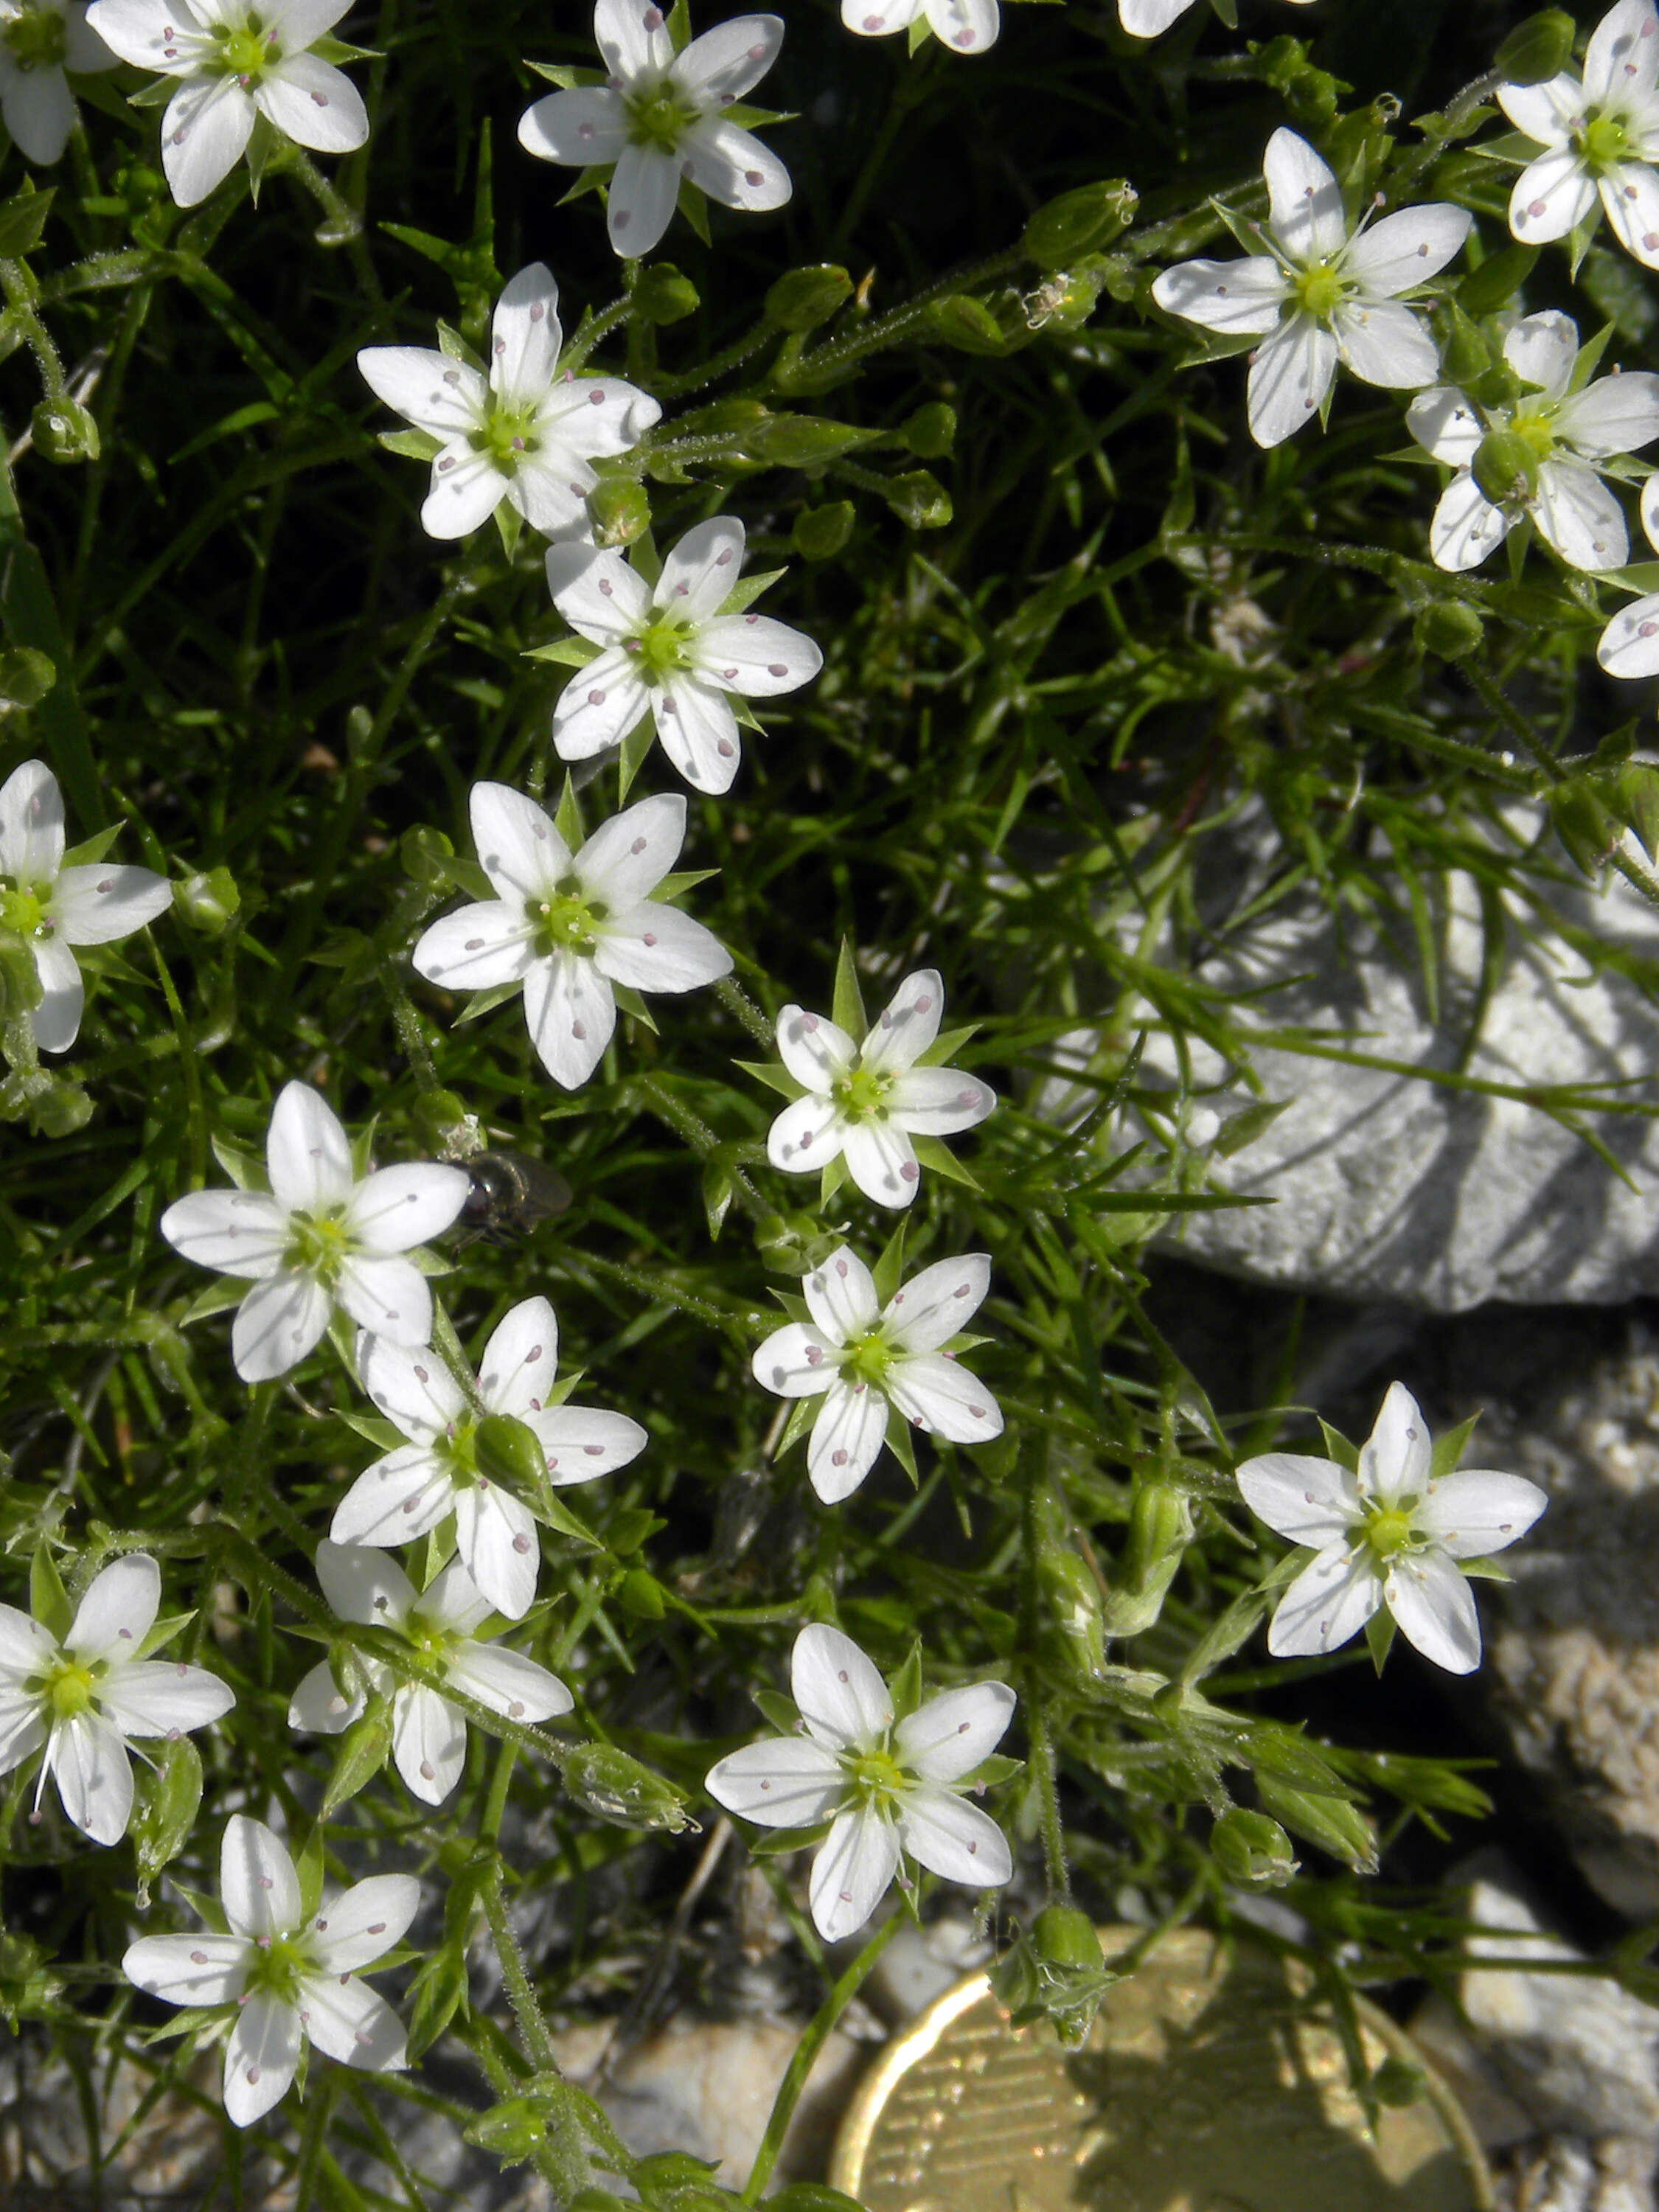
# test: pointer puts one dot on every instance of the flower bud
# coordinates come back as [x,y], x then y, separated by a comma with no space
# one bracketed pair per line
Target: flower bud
[1074,1601]
[1333,1823]
[208,902]
[1448,628]
[26,676]
[64,430]
[1585,823]
[930,432]
[918,500]
[1160,1527]
[441,1121]
[1079,222]
[807,297]
[1537,48]
[663,295]
[966,323]
[60,1108]
[425,853]
[802,441]
[608,1784]
[510,1453]
[1505,467]
[621,509]
[1063,1936]
[819,532]
[1397,2082]
[1252,1850]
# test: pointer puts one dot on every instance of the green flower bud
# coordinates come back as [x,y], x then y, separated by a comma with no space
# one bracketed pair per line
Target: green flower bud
[1160,1529]
[26,676]
[1449,629]
[514,2131]
[930,432]
[918,500]
[802,441]
[1074,1605]
[509,1453]
[1466,355]
[1062,1936]
[208,902]
[792,1243]
[663,295]
[807,297]
[640,1594]
[440,1118]
[621,510]
[1398,2083]
[1252,1850]
[60,1108]
[64,431]
[425,853]
[1505,466]
[608,1784]
[1080,223]
[968,325]
[1333,1823]
[819,532]
[1585,823]
[1537,48]
[1066,301]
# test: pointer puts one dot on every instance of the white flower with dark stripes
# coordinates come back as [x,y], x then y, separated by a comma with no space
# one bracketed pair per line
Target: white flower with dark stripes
[660,120]
[1599,137]
[320,1236]
[290,1975]
[871,1364]
[865,1103]
[886,1786]
[669,655]
[1324,291]
[440,1625]
[523,430]
[450,1462]
[81,1701]
[1390,1533]
[569,926]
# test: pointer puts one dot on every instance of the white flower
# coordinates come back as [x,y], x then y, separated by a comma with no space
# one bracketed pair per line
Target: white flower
[38,40]
[438,1471]
[525,433]
[85,1697]
[884,1788]
[52,907]
[866,1360]
[1391,1534]
[317,1238]
[235,60]
[659,118]
[971,26]
[1600,135]
[669,654]
[428,1734]
[1324,292]
[1629,646]
[1550,439]
[865,1102]
[287,1976]
[1146,18]
[568,926]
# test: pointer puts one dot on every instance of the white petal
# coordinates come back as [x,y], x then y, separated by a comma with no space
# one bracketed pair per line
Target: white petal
[31,824]
[453,1601]
[852,1870]
[441,395]
[521,1359]
[1435,1608]
[203,135]
[1466,525]
[1614,415]
[700,572]
[358,1925]
[260,2058]
[25,1648]
[478,948]
[1552,196]
[315,104]
[728,61]
[466,489]
[952,1839]
[1384,344]
[394,1209]
[633,40]
[644,187]
[364,1586]
[813,1049]
[1629,646]
[732,167]
[1478,1511]
[307,1153]
[1622,56]
[549,488]
[651,947]
[626,857]
[586,125]
[1288,378]
[788,1782]
[396,1499]
[1331,1600]
[1542,349]
[429,1742]
[1629,193]
[1243,297]
[24,1727]
[318,1705]
[939,1102]
[597,592]
[88,1761]
[841,1296]
[1444,423]
[873,19]
[496,1540]
[581,1443]
[525,336]
[698,732]
[1306,213]
[881,1161]
[258,1885]
[572,1014]
[96,906]
[162,1697]
[969,26]
[347,2022]
[1405,249]
[846,1440]
[1393,1460]
[56,1020]
[518,848]
[38,107]
[806,1135]
[951,1735]
[794,1361]
[1579,516]
[277,1324]
[601,705]
[839,1692]
[508,1683]
[1311,1501]
[1147,19]
[907,1024]
[1548,113]
[411,1386]
[753,654]
[118,1611]
[135,29]
[589,415]
[938,1302]
[236,1232]
[389,1296]
[941,1398]
[301,23]
[189,1970]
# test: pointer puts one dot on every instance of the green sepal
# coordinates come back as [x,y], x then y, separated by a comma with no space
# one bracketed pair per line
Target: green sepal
[218,1298]
[996,1768]
[89,852]
[888,1272]
[694,207]
[437,1993]
[171,1800]
[934,1153]
[22,219]
[775,1077]
[1337,1448]
[509,524]
[1483,1568]
[744,593]
[1379,1636]
[803,1413]
[362,1753]
[905,1687]
[567,652]
[48,1599]
[156,94]
[901,1443]
[331,49]
[189,2020]
[631,755]
[568,820]
[1448,1449]
[162,1631]
[245,1167]
[779,1709]
[567,79]
[847,1008]
[451,342]
[628,1001]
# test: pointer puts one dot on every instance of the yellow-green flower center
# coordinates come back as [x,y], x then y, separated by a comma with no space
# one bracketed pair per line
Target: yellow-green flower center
[70,1688]
[661,118]
[21,909]
[278,1965]
[1602,143]
[246,49]
[37,39]
[318,1243]
[876,1777]
[567,922]
[861,1095]
[1389,1530]
[1319,290]
[867,1359]
[660,649]
[508,436]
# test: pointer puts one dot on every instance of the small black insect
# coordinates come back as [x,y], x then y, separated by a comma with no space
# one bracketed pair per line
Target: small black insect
[512,1193]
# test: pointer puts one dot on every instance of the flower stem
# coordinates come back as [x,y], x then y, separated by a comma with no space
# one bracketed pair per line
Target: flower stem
[593,330]
[343,226]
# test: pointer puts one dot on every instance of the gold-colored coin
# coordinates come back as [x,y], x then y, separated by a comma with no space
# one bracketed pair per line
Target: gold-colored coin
[1208,2084]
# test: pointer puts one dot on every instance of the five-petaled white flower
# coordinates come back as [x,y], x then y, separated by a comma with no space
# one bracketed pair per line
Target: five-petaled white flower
[569,925]
[235,60]
[884,1787]
[1629,646]
[38,40]
[317,1239]
[868,1361]
[525,432]
[52,907]
[970,26]
[287,1976]
[660,119]
[428,1734]
[1147,19]
[1600,135]
[1537,453]
[1391,1535]
[1325,293]
[85,1697]
[438,1471]
[865,1102]
[669,654]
